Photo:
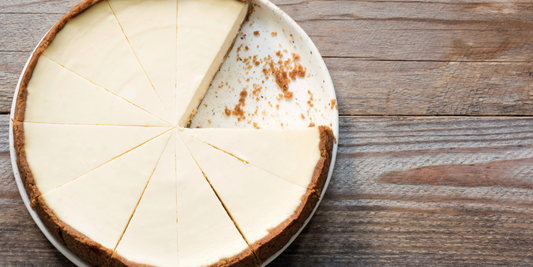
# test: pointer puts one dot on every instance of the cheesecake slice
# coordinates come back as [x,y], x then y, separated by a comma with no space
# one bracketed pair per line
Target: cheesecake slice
[58,153]
[291,154]
[150,27]
[207,236]
[93,46]
[93,210]
[206,32]
[151,237]
[87,103]
[261,204]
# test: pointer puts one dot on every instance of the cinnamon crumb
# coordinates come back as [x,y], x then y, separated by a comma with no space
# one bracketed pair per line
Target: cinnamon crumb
[295,56]
[246,48]
[312,124]
[274,33]
[303,117]
[282,79]
[333,103]
[256,33]
[288,95]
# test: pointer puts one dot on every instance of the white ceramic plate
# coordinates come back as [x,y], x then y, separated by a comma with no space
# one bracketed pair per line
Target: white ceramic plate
[266,19]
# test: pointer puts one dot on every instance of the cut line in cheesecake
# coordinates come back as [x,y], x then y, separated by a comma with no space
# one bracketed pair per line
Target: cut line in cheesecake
[88,209]
[242,160]
[93,45]
[209,236]
[58,154]
[109,91]
[153,40]
[114,158]
[86,124]
[148,237]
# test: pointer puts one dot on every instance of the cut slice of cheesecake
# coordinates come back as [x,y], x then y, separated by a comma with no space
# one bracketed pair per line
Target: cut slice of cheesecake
[93,45]
[151,237]
[206,234]
[150,27]
[291,154]
[87,103]
[97,206]
[58,153]
[261,204]
[206,31]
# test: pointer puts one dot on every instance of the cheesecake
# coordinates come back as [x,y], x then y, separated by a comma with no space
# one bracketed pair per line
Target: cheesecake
[109,165]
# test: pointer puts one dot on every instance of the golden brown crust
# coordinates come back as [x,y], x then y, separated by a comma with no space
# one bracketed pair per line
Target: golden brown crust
[320,174]
[87,249]
[90,251]
[22,163]
[244,259]
[118,261]
[281,234]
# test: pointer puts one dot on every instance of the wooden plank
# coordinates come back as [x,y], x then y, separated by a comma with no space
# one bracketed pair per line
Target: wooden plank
[405,191]
[11,65]
[432,88]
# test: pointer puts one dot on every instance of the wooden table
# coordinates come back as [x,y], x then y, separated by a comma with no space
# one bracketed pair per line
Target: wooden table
[436,140]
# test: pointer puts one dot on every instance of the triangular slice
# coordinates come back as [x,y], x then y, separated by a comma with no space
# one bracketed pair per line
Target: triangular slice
[96,207]
[206,31]
[87,103]
[206,234]
[150,27]
[93,45]
[261,204]
[58,153]
[291,154]
[151,237]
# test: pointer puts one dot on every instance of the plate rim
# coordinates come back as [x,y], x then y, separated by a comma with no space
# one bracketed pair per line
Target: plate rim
[63,249]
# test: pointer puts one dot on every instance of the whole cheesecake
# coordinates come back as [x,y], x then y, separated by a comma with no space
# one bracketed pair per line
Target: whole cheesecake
[107,159]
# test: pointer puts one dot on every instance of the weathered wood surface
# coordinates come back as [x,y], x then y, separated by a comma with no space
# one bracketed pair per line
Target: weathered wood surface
[405,191]
[385,57]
